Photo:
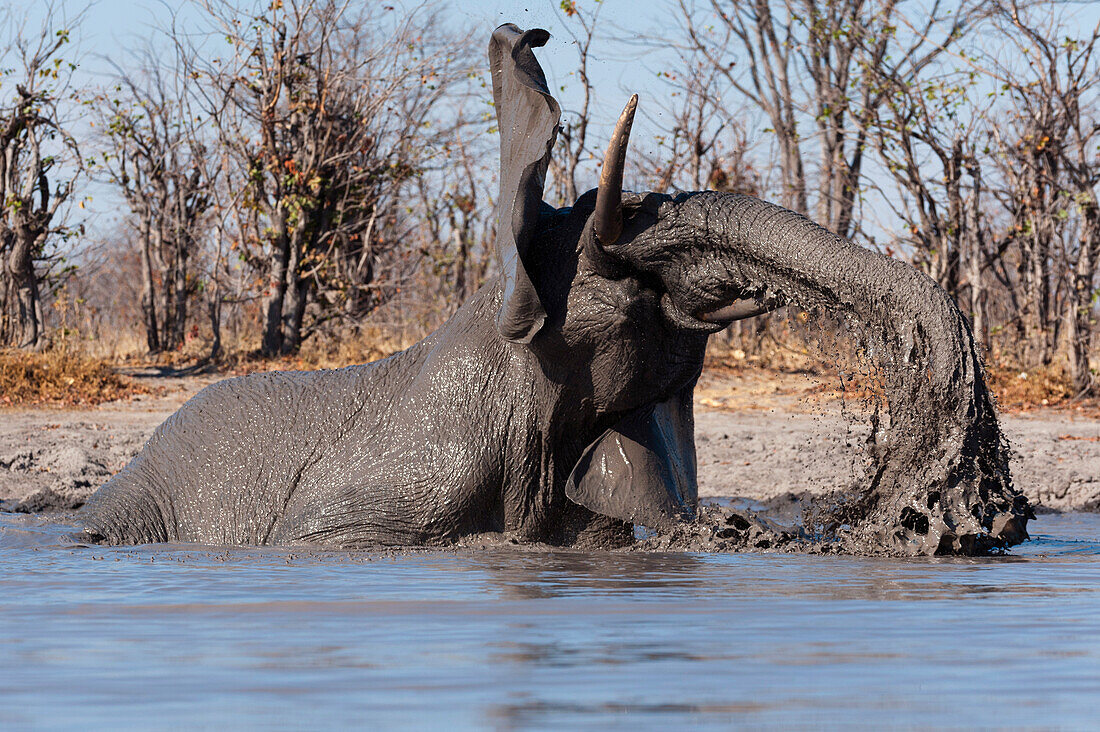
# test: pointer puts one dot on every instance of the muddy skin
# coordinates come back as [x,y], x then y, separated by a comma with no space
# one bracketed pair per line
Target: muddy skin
[556,405]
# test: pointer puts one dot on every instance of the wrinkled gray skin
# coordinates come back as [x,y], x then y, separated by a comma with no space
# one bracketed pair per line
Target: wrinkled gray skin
[566,417]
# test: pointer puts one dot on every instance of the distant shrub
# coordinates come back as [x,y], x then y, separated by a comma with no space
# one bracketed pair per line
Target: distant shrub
[59,378]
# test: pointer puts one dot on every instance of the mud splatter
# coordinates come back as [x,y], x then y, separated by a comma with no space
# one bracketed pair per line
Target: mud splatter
[938,480]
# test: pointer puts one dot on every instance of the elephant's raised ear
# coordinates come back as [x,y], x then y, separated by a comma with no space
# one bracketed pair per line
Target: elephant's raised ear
[642,470]
[527,116]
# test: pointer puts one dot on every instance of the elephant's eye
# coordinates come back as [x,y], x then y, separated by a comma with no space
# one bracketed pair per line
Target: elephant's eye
[649,281]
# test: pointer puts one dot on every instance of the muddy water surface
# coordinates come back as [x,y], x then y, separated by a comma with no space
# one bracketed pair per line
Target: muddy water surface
[171,637]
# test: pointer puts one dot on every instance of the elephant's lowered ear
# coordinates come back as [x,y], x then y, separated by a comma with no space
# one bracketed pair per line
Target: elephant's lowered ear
[527,116]
[642,470]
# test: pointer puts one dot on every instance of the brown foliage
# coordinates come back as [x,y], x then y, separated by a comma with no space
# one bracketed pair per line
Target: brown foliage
[1038,387]
[59,378]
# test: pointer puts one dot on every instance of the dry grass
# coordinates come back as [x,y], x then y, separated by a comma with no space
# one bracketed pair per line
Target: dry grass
[80,370]
[60,378]
[240,354]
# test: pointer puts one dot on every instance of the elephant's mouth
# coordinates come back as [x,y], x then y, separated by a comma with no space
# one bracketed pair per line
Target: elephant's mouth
[713,317]
[685,320]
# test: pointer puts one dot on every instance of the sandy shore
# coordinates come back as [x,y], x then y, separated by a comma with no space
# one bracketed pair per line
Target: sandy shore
[759,438]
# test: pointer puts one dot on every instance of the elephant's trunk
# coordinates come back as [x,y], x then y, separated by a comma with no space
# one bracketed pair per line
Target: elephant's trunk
[940,481]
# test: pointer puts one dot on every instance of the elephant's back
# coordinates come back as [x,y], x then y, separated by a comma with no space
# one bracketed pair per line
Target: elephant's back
[223,468]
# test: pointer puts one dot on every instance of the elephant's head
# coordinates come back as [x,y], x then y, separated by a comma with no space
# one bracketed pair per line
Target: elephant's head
[618,293]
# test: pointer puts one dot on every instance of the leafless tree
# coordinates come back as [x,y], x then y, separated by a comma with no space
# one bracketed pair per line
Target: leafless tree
[810,66]
[157,158]
[457,205]
[329,107]
[572,147]
[704,142]
[929,133]
[39,165]
[1047,145]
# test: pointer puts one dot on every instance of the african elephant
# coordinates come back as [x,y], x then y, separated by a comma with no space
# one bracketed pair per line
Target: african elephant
[556,404]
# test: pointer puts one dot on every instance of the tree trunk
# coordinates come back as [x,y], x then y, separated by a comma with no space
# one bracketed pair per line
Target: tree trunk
[975,253]
[148,294]
[178,295]
[297,299]
[5,309]
[276,295]
[462,262]
[294,306]
[8,308]
[26,310]
[214,311]
[1080,317]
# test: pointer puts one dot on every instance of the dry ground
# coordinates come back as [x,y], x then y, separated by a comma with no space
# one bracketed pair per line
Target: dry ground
[761,437]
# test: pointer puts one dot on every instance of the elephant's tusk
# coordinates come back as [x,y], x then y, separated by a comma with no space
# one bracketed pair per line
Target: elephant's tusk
[608,217]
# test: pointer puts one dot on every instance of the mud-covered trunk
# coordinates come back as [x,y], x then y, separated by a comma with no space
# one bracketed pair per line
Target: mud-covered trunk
[940,481]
